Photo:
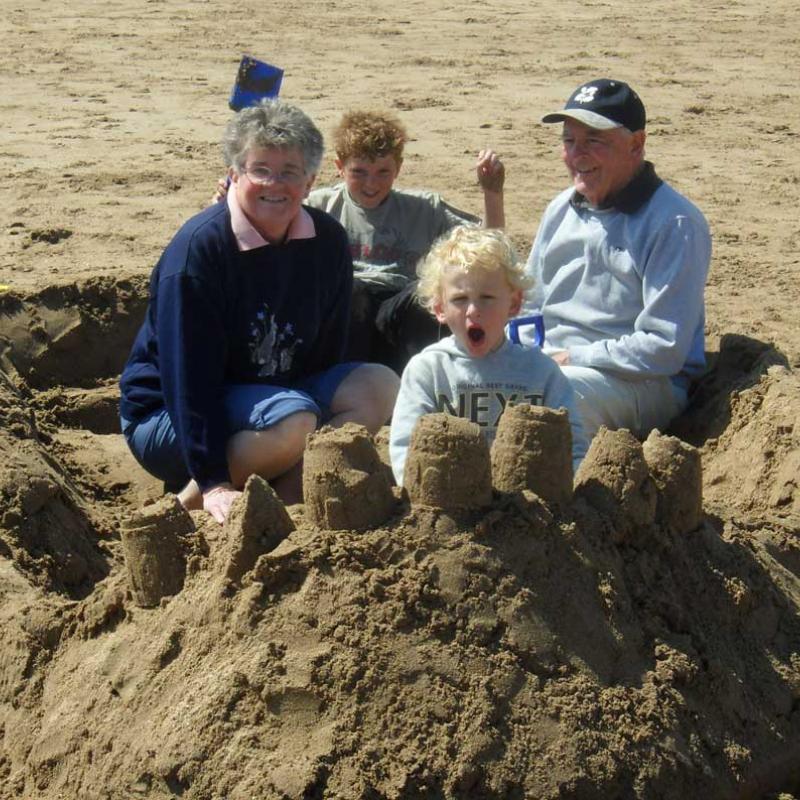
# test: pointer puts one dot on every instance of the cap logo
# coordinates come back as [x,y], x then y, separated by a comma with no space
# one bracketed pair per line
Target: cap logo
[586,94]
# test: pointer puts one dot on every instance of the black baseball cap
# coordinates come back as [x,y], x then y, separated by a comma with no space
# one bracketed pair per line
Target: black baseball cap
[603,104]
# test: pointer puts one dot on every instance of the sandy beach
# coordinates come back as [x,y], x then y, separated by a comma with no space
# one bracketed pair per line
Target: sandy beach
[523,649]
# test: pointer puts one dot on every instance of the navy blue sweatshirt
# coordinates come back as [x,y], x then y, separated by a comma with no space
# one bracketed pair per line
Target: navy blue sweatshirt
[218,316]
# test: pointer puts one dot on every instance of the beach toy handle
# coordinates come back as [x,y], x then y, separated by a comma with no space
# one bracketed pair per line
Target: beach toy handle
[534,320]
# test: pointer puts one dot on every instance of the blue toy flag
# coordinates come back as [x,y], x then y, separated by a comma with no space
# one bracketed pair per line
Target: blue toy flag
[254,81]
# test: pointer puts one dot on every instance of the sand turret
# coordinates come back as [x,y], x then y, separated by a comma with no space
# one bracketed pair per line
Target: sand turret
[533,451]
[345,484]
[677,471]
[153,553]
[257,524]
[448,464]
[614,478]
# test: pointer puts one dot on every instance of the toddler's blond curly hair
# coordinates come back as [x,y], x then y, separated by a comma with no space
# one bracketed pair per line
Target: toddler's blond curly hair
[466,248]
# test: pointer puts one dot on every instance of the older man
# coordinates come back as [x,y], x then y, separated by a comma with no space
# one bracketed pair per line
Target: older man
[620,262]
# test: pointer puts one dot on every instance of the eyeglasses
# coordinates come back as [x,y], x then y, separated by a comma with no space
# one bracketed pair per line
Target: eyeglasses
[263,176]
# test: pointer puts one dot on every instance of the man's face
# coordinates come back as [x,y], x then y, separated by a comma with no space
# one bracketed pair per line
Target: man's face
[600,163]
[476,307]
[369,181]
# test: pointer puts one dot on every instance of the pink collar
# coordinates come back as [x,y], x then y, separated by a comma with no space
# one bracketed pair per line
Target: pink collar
[248,238]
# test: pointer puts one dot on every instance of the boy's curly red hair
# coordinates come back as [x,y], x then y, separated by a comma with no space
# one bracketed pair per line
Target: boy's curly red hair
[369,134]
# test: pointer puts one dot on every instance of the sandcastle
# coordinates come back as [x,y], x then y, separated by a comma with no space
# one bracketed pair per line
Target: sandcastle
[449,467]
[635,485]
[273,627]
[345,484]
[156,541]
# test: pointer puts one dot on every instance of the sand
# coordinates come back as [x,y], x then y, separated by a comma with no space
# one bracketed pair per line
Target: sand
[475,637]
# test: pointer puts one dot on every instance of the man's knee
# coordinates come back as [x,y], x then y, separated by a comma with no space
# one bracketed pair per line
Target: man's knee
[597,402]
[616,402]
[582,378]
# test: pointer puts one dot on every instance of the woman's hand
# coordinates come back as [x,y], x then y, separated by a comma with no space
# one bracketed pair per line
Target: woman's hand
[218,501]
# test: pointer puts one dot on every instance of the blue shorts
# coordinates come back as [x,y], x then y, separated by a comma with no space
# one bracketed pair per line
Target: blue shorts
[248,407]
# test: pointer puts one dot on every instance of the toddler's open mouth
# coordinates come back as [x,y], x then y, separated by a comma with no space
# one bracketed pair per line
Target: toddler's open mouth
[476,335]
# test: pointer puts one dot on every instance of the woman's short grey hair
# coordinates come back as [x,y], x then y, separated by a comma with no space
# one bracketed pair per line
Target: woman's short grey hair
[272,123]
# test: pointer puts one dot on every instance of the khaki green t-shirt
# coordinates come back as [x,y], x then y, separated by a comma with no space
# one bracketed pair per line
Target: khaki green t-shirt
[387,242]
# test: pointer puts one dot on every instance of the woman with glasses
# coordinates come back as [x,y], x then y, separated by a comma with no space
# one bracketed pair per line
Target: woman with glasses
[240,353]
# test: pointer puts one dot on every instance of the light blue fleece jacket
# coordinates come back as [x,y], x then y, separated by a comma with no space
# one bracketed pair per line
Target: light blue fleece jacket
[622,290]
[444,377]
